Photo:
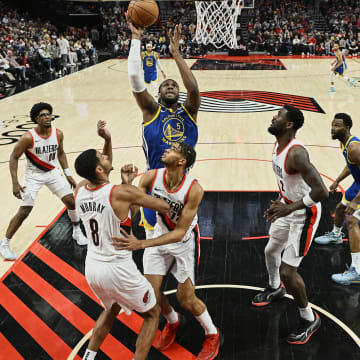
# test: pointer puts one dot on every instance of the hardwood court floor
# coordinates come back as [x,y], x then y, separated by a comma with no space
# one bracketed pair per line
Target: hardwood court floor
[234,153]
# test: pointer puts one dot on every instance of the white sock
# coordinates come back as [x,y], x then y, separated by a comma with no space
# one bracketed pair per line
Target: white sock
[89,355]
[355,261]
[307,313]
[206,322]
[5,241]
[273,261]
[337,230]
[172,317]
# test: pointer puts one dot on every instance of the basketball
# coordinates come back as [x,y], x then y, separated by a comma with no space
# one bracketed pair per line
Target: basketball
[143,12]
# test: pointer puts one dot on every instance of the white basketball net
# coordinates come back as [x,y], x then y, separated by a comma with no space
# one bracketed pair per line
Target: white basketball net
[217,22]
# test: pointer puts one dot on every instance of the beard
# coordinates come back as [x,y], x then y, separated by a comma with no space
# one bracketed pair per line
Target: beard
[169,101]
[273,130]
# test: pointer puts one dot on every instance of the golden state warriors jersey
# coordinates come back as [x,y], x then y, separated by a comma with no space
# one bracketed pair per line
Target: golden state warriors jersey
[353,167]
[149,62]
[166,128]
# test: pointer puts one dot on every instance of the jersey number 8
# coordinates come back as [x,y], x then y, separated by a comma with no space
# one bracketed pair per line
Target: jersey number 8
[94,227]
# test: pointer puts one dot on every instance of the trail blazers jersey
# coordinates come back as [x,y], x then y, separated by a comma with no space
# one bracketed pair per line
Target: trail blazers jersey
[176,199]
[291,185]
[101,223]
[42,155]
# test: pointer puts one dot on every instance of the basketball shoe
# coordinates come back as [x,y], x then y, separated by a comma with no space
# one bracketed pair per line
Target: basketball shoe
[268,295]
[6,252]
[348,277]
[302,333]
[78,235]
[329,238]
[352,82]
[210,347]
[167,336]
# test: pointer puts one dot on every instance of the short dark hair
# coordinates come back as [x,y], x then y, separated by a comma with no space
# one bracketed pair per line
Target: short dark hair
[167,80]
[86,163]
[189,154]
[295,116]
[35,110]
[345,118]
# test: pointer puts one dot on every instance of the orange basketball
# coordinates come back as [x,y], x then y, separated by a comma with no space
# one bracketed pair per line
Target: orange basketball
[143,12]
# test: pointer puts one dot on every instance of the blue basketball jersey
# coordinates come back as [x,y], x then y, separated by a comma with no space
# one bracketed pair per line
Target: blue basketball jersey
[353,167]
[149,62]
[166,128]
[340,68]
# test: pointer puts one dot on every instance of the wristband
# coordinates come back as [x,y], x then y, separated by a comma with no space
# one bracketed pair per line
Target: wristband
[308,201]
[67,172]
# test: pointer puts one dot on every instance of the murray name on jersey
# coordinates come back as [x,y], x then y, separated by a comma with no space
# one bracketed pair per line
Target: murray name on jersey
[92,206]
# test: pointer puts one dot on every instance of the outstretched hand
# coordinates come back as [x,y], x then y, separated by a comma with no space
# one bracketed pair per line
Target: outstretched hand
[175,38]
[128,173]
[102,130]
[136,31]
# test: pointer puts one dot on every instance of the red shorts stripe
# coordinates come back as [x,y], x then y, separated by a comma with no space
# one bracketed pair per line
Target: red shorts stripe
[310,229]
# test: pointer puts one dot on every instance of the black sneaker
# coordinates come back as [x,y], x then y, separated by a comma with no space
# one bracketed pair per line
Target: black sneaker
[268,295]
[302,333]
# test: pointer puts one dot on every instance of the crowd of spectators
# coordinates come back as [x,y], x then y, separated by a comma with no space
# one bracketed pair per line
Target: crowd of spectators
[284,27]
[29,47]
[117,36]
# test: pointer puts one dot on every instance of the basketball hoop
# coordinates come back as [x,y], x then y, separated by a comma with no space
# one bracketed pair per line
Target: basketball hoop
[217,22]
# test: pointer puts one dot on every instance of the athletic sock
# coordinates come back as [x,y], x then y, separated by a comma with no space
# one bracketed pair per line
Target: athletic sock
[307,313]
[337,230]
[172,317]
[355,261]
[206,322]
[89,355]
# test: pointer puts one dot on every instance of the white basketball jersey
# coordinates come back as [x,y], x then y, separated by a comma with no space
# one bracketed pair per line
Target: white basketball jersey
[291,185]
[43,152]
[176,199]
[101,223]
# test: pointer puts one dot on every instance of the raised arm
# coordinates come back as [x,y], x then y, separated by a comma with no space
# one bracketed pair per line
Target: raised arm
[193,99]
[146,102]
[63,160]
[20,147]
[105,134]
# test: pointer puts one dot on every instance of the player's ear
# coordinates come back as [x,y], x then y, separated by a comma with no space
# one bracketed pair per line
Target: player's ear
[182,162]
[99,169]
[289,125]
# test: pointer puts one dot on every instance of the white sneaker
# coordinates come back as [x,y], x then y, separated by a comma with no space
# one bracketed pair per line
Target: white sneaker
[78,235]
[6,252]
